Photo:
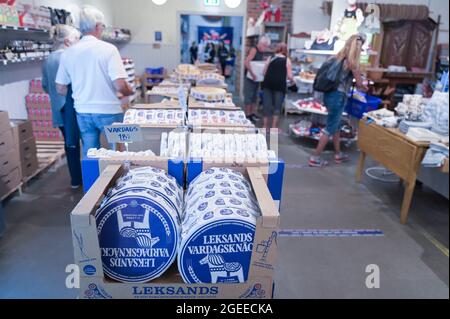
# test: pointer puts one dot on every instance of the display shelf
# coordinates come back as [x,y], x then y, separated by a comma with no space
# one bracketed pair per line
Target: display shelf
[317,52]
[307,110]
[21,29]
[23,60]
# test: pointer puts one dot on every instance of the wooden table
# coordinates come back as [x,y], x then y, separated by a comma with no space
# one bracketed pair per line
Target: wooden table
[396,152]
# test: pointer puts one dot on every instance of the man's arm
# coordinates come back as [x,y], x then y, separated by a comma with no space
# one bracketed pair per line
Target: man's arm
[123,87]
[62,78]
[248,66]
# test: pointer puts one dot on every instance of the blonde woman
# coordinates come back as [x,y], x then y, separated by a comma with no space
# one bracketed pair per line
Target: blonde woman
[335,100]
[63,112]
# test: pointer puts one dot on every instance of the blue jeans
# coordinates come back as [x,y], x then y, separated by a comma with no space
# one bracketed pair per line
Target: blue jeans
[71,135]
[335,104]
[92,125]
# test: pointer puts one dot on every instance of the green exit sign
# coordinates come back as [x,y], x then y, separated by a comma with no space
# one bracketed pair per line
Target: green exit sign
[212,3]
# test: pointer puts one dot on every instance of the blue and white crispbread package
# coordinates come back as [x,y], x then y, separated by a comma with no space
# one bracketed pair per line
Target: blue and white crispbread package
[139,233]
[218,228]
[218,251]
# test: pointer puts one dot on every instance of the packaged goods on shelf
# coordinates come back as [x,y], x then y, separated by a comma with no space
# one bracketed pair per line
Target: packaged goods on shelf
[436,111]
[239,146]
[104,153]
[210,79]
[9,15]
[218,117]
[187,72]
[436,155]
[246,223]
[220,220]
[311,105]
[154,117]
[207,67]
[138,225]
[166,91]
[384,117]
[208,94]
[173,145]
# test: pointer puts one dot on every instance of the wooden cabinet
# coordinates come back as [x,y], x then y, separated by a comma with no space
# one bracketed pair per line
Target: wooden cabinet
[407,43]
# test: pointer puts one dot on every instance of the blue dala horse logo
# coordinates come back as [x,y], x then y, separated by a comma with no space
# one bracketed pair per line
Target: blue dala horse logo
[137,229]
[218,268]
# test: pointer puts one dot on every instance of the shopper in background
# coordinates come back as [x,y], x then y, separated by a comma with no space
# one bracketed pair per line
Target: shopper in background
[277,70]
[223,54]
[251,87]
[63,112]
[211,53]
[96,72]
[335,100]
[194,52]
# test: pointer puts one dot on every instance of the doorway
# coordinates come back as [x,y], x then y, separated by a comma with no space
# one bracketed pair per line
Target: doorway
[214,39]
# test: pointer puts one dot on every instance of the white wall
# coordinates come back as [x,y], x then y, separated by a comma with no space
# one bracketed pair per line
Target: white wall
[143,18]
[437,7]
[308,16]
[14,79]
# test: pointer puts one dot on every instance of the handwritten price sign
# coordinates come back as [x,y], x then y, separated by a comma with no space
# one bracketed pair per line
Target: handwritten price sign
[123,133]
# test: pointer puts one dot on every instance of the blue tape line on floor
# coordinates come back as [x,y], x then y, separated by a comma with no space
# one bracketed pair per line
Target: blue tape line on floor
[331,233]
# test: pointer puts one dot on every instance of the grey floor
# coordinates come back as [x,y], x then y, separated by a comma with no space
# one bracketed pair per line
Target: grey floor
[37,247]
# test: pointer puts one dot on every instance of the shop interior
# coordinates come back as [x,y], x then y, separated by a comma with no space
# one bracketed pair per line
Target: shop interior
[304,223]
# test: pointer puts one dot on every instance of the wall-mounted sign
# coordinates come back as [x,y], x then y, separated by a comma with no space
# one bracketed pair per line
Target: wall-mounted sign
[123,133]
[158,36]
[212,3]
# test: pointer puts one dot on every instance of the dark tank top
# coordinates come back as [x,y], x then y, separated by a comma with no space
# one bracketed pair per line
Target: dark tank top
[276,74]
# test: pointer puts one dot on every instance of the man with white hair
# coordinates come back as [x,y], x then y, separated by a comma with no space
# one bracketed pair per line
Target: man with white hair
[251,86]
[96,72]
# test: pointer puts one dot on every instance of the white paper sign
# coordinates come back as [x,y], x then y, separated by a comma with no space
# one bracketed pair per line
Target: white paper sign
[123,133]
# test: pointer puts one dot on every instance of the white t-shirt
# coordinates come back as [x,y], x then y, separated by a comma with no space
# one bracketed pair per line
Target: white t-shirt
[91,66]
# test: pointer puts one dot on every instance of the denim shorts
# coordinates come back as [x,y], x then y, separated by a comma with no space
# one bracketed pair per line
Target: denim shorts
[273,102]
[335,104]
[251,89]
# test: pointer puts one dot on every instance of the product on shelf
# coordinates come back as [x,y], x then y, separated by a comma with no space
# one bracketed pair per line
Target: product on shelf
[207,67]
[412,107]
[173,145]
[208,94]
[219,117]
[153,117]
[308,75]
[187,72]
[9,15]
[247,146]
[138,225]
[210,79]
[166,91]
[40,113]
[104,153]
[218,229]
[311,105]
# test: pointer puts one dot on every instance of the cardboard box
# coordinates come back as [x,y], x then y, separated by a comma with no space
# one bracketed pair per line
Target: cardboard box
[28,149]
[22,131]
[10,182]
[29,167]
[170,286]
[9,161]
[7,141]
[4,122]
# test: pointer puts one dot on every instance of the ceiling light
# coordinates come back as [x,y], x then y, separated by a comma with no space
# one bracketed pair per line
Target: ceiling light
[233,4]
[159,2]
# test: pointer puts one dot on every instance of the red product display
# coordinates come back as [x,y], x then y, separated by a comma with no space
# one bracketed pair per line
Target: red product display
[40,113]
